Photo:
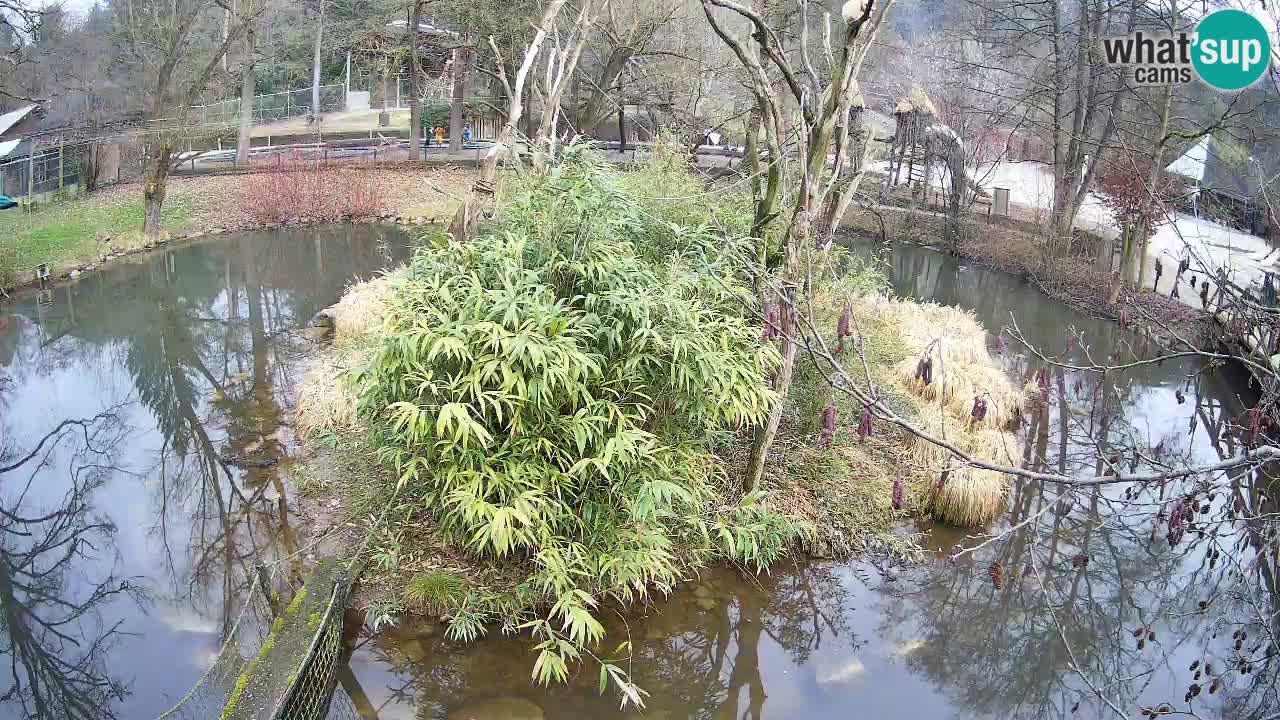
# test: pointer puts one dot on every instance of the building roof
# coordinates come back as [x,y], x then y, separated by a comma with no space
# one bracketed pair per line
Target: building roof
[1191,164]
[7,147]
[1207,163]
[9,119]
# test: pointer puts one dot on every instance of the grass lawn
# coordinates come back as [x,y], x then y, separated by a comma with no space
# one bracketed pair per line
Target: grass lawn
[70,232]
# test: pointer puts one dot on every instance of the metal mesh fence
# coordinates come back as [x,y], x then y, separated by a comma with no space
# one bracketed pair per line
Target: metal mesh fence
[279,663]
[47,171]
[242,644]
[309,697]
[275,106]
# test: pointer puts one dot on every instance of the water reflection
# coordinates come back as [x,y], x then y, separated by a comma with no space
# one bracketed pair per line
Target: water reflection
[710,651]
[1089,598]
[56,573]
[128,546]
[1050,634]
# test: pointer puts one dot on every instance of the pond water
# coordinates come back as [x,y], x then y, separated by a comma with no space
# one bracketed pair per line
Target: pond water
[125,534]
[128,534]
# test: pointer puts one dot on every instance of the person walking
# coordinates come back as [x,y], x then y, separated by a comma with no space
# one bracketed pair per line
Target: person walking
[466,134]
[440,136]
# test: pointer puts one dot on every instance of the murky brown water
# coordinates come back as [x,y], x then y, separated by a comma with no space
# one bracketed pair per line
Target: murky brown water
[128,541]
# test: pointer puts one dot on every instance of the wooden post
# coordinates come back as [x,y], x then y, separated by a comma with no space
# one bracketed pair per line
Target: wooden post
[31,173]
[61,176]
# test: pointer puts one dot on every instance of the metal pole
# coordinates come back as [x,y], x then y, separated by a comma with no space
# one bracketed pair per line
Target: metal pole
[346,96]
[61,175]
[31,174]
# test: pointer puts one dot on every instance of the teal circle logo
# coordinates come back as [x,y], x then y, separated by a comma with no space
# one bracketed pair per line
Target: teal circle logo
[1232,49]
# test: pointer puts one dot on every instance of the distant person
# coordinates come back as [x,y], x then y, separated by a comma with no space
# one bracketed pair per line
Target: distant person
[466,134]
[439,136]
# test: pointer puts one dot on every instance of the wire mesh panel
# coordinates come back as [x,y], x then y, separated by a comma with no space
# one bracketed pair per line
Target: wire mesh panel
[312,691]
[273,106]
[293,674]
[242,643]
[50,170]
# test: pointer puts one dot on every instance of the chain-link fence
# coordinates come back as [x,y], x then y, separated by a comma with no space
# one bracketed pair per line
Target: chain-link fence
[310,696]
[393,92]
[274,106]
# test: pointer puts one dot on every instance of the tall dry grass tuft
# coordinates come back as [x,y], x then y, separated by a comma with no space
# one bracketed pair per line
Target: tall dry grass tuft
[363,308]
[962,371]
[326,402]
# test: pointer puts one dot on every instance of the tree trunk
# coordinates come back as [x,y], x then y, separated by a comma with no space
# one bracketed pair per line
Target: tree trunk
[597,109]
[765,436]
[526,119]
[1153,183]
[460,60]
[315,70]
[248,81]
[153,192]
[415,105]
[751,149]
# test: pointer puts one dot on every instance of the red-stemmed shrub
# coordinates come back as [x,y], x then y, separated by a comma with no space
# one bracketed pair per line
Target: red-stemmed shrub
[311,190]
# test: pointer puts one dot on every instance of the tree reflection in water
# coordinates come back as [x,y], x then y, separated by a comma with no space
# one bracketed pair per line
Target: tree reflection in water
[1093,600]
[57,572]
[699,654]
[202,339]
[1094,614]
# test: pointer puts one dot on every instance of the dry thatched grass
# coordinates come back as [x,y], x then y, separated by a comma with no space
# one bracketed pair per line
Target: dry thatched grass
[963,369]
[326,402]
[362,308]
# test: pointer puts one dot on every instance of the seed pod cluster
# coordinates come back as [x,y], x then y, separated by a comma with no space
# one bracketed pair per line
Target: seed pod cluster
[844,327]
[1143,634]
[979,412]
[996,571]
[1178,521]
[828,427]
[924,370]
[1255,425]
[771,328]
[864,424]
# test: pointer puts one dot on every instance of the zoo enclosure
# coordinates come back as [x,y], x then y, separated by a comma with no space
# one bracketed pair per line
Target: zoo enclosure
[51,170]
[274,106]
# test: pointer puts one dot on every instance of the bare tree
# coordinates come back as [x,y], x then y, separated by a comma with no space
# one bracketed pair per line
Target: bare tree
[823,189]
[177,46]
[248,85]
[18,20]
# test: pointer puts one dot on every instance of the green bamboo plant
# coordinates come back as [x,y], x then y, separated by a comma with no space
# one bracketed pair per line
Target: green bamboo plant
[549,391]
